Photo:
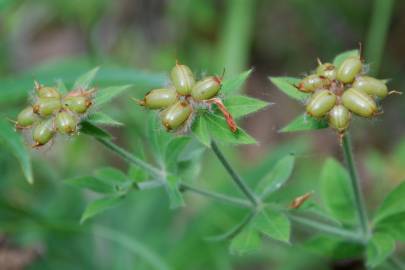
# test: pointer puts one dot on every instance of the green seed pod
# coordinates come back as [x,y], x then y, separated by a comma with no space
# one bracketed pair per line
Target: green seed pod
[349,69]
[359,103]
[77,104]
[176,115]
[339,118]
[321,103]
[26,118]
[311,83]
[182,79]
[159,98]
[206,88]
[47,106]
[371,86]
[326,70]
[65,123]
[43,132]
[48,92]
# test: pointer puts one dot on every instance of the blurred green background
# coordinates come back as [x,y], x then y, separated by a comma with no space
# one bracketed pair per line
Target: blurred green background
[137,42]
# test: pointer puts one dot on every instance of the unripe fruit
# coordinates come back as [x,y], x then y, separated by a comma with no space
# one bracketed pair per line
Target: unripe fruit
[326,70]
[358,102]
[349,69]
[321,103]
[47,106]
[26,118]
[43,132]
[65,123]
[371,86]
[159,98]
[182,79]
[176,115]
[206,88]
[77,104]
[311,83]
[339,118]
[47,92]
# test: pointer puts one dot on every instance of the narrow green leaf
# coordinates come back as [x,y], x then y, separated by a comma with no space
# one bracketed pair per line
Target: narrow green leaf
[137,174]
[90,129]
[379,248]
[100,118]
[336,192]
[247,241]
[200,130]
[173,151]
[305,122]
[158,137]
[342,56]
[86,79]
[111,175]
[240,106]
[99,206]
[175,196]
[273,224]
[287,85]
[61,87]
[105,95]
[235,83]
[393,204]
[91,183]
[277,176]
[16,145]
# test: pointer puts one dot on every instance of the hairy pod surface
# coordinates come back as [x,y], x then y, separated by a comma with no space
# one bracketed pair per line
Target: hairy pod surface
[160,98]
[320,103]
[311,83]
[43,132]
[182,79]
[77,104]
[48,92]
[359,102]
[339,118]
[326,70]
[176,115]
[371,86]
[65,123]
[26,117]
[47,106]
[206,88]
[349,69]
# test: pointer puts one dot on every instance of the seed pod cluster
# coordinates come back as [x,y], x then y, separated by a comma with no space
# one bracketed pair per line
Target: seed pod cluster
[337,92]
[177,102]
[52,113]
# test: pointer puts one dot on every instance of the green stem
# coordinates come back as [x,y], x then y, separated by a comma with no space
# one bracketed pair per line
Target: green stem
[235,177]
[358,198]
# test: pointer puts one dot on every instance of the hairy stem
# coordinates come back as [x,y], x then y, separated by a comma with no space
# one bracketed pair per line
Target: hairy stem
[358,197]
[235,177]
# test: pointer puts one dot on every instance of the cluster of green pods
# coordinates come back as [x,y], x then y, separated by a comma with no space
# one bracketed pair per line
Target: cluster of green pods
[53,113]
[337,92]
[176,101]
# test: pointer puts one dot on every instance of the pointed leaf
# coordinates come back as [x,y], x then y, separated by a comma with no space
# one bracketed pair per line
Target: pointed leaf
[200,130]
[111,175]
[277,176]
[336,192]
[86,79]
[91,183]
[239,106]
[247,241]
[392,205]
[99,206]
[287,85]
[107,94]
[100,118]
[175,196]
[235,83]
[158,138]
[173,150]
[342,56]
[305,122]
[15,144]
[379,248]
[273,224]
[90,129]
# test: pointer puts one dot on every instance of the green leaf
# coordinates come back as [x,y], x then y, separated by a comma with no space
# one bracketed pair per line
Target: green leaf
[173,151]
[273,224]
[16,145]
[379,248]
[107,94]
[158,137]
[277,176]
[392,205]
[239,106]
[100,118]
[233,84]
[86,79]
[200,130]
[247,241]
[99,206]
[61,87]
[305,122]
[111,175]
[342,56]
[91,183]
[172,188]
[287,85]
[90,129]
[336,192]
